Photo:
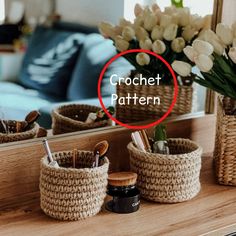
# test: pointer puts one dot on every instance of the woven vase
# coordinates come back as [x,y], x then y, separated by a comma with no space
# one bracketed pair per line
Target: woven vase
[73,193]
[225,143]
[70,118]
[132,113]
[168,178]
[13,137]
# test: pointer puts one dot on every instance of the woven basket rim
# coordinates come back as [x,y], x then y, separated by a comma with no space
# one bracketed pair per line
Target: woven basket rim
[56,112]
[44,163]
[167,86]
[169,156]
[33,129]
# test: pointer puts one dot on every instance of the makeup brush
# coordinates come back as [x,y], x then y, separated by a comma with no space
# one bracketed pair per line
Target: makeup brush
[144,137]
[97,159]
[50,158]
[139,141]
[100,150]
[31,118]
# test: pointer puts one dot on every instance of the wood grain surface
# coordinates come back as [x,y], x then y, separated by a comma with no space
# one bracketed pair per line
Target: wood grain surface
[211,213]
[20,213]
[19,168]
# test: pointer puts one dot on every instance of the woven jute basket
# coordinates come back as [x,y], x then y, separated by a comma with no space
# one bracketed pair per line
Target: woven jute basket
[168,178]
[70,118]
[225,144]
[72,193]
[132,113]
[13,136]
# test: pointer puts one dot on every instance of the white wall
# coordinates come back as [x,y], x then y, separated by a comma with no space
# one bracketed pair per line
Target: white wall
[91,12]
[201,7]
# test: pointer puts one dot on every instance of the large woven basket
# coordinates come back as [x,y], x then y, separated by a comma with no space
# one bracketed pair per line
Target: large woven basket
[225,143]
[168,178]
[71,193]
[13,137]
[70,118]
[132,113]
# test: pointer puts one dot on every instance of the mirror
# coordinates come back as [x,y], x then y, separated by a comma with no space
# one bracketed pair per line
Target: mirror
[58,62]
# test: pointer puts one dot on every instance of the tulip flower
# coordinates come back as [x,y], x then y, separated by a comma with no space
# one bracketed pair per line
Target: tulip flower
[207,21]
[146,44]
[170,32]
[234,42]
[208,35]
[165,20]
[218,47]
[118,30]
[203,62]
[123,22]
[184,16]
[107,30]
[232,54]
[128,33]
[141,33]
[138,22]
[188,33]
[157,32]
[121,44]
[158,47]
[190,53]
[234,28]
[178,44]
[150,21]
[225,33]
[203,47]
[213,39]
[155,7]
[138,10]
[175,19]
[142,59]
[170,10]
[181,68]
[197,22]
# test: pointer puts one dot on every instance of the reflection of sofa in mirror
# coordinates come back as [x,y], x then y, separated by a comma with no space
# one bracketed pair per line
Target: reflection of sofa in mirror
[61,65]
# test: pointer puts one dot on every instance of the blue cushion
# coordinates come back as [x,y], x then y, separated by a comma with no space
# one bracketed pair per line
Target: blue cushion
[16,101]
[50,59]
[96,51]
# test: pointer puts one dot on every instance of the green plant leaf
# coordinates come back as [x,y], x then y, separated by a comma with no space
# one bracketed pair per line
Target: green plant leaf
[177,3]
[160,133]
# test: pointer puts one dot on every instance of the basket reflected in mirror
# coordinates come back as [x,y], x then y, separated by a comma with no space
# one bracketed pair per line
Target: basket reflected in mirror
[12,131]
[72,118]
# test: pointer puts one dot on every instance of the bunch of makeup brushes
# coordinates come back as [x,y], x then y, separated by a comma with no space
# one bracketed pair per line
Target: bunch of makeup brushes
[99,151]
[157,145]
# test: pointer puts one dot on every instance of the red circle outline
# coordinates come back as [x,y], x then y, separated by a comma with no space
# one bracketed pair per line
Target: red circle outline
[137,126]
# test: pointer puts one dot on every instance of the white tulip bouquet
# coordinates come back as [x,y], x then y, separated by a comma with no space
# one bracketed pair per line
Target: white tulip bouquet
[166,33]
[214,53]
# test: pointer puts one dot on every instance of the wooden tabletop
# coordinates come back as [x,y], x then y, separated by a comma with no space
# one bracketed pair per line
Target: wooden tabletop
[213,212]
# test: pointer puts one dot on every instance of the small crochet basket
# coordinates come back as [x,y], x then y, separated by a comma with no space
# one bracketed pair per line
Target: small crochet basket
[72,193]
[225,145]
[168,178]
[70,118]
[132,113]
[13,136]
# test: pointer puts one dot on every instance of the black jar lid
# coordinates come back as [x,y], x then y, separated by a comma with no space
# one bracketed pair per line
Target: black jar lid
[122,179]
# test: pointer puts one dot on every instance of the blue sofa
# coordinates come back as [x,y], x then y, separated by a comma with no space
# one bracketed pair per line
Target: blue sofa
[61,65]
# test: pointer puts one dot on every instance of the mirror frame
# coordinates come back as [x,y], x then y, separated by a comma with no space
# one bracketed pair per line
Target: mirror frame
[210,103]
